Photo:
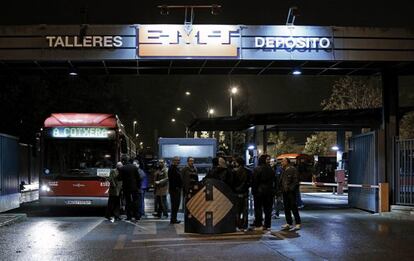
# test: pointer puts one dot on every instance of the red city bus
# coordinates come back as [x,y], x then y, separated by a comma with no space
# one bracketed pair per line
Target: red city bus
[78,152]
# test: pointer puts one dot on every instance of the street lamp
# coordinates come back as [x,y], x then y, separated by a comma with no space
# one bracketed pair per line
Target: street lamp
[173,120]
[134,128]
[210,112]
[233,91]
[188,93]
[188,111]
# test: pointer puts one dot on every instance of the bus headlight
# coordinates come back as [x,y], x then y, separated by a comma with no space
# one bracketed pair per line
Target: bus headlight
[45,188]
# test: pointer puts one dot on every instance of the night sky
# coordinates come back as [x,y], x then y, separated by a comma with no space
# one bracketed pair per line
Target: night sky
[382,13]
[154,98]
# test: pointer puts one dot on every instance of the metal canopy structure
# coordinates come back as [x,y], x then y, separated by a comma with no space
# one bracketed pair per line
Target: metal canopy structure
[200,67]
[170,49]
[295,121]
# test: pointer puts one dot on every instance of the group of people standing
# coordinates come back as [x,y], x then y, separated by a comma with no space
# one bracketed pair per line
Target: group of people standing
[127,183]
[269,184]
[266,183]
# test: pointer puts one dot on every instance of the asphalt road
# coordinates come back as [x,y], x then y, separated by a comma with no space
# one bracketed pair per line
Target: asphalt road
[331,231]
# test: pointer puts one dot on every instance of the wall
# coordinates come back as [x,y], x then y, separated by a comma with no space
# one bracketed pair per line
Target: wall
[9,173]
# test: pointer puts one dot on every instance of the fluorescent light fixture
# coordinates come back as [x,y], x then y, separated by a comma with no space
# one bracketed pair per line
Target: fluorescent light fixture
[296,72]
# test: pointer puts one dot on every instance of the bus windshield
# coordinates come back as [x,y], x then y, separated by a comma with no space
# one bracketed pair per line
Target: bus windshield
[78,158]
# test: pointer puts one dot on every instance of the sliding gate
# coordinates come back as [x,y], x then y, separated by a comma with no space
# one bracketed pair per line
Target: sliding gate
[363,170]
[404,172]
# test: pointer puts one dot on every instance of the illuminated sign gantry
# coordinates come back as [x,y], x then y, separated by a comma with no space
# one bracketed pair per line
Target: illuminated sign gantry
[230,42]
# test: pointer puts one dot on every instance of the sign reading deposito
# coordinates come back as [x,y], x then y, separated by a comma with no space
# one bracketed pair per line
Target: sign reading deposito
[79,132]
[218,41]
[293,42]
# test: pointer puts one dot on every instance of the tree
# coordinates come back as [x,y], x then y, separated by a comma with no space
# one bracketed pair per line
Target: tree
[407,126]
[320,143]
[280,143]
[354,93]
[347,93]
[363,93]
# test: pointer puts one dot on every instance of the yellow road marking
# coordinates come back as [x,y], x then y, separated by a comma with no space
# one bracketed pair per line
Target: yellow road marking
[196,238]
[120,243]
[192,244]
[148,228]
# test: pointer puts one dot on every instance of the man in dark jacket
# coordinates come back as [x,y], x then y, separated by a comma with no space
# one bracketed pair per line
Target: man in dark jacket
[263,190]
[289,184]
[221,172]
[241,189]
[131,185]
[189,176]
[115,186]
[175,186]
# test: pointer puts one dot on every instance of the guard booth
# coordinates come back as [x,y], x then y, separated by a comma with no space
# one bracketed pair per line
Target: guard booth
[210,208]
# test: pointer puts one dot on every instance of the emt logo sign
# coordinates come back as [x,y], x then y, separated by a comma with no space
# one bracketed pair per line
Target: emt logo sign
[212,41]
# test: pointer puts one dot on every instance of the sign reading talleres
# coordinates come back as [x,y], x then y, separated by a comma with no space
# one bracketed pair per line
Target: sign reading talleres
[213,41]
[92,41]
[79,132]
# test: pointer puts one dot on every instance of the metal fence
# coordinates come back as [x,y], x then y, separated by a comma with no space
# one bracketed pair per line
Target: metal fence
[9,165]
[404,172]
